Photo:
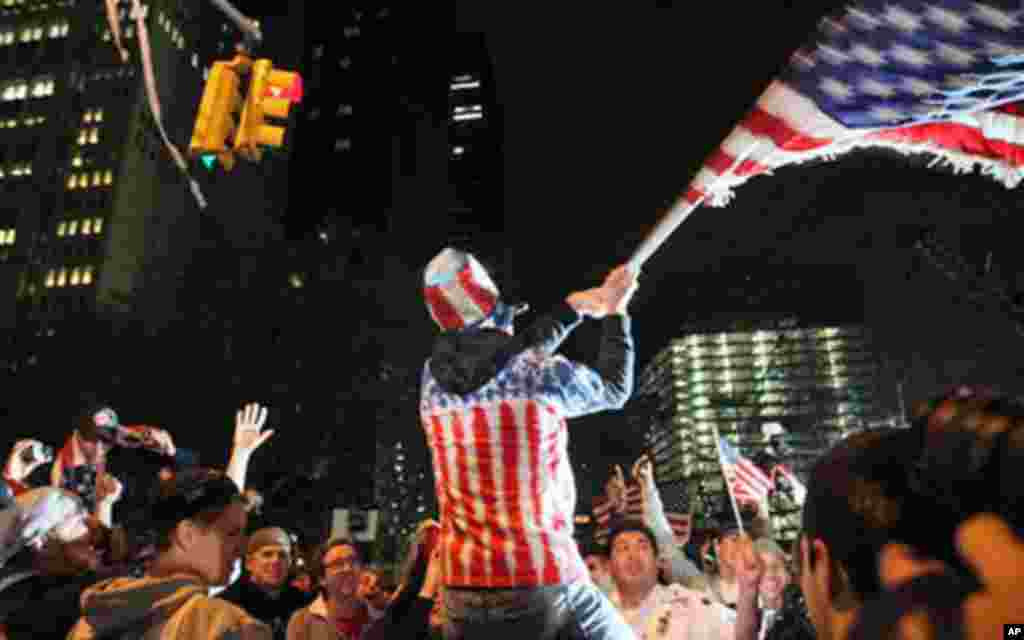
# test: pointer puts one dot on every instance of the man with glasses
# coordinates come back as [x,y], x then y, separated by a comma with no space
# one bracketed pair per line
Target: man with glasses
[338,613]
[264,590]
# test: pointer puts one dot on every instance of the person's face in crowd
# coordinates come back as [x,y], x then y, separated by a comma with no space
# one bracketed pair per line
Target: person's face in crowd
[726,549]
[370,589]
[269,566]
[633,564]
[166,474]
[776,577]
[341,572]
[213,549]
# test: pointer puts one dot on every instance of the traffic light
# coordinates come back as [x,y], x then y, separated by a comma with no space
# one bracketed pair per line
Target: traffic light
[271,94]
[215,123]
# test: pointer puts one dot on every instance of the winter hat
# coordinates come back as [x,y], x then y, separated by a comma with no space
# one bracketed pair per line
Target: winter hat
[458,290]
[267,537]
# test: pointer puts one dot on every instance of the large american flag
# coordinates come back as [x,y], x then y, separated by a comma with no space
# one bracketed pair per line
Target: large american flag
[746,480]
[934,77]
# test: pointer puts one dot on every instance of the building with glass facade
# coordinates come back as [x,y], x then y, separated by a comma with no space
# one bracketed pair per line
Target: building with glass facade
[781,391]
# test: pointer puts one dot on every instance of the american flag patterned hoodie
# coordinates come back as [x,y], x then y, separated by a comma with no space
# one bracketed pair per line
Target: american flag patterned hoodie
[494,410]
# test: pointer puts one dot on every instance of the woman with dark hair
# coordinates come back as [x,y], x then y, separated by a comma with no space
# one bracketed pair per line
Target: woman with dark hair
[198,520]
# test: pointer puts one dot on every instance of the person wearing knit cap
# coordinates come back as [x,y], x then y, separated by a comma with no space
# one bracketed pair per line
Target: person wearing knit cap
[494,404]
[263,590]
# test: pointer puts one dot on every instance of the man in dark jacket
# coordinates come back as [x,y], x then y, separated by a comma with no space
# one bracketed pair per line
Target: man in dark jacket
[264,591]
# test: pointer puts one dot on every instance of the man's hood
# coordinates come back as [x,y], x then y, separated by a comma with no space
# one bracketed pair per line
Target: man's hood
[464,362]
[123,605]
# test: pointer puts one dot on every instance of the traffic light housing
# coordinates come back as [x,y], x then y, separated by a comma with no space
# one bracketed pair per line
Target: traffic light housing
[216,121]
[271,95]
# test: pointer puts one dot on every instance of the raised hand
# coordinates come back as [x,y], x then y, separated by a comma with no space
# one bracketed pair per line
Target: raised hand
[618,289]
[162,440]
[616,489]
[592,303]
[17,468]
[643,471]
[108,489]
[248,425]
[749,565]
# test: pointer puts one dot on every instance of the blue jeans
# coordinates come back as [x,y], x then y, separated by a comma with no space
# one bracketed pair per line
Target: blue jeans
[577,611]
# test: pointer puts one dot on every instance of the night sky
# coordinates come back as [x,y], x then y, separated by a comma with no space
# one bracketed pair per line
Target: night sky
[609,113]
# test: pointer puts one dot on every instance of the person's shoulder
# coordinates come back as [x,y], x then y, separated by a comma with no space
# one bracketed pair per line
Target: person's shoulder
[208,617]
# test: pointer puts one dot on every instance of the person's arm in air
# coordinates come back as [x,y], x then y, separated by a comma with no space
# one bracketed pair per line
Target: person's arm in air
[679,566]
[608,384]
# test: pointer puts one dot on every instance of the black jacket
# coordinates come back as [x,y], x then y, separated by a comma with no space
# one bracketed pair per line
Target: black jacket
[276,612]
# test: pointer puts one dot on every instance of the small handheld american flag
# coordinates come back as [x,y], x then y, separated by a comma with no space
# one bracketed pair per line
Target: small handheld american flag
[746,481]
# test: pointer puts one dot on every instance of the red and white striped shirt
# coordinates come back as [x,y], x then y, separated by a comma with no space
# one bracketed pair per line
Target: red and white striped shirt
[505,488]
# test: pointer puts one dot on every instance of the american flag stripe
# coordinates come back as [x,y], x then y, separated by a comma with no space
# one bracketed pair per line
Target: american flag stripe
[948,86]
[445,314]
[537,500]
[495,564]
[681,524]
[446,506]
[511,435]
[482,298]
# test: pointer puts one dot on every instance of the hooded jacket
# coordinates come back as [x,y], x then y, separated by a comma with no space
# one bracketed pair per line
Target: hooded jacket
[161,609]
[494,409]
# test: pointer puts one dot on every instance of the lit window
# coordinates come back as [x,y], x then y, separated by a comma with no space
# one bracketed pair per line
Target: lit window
[37,34]
[62,278]
[94,136]
[27,169]
[62,228]
[96,177]
[344,109]
[82,136]
[342,144]
[97,225]
[86,227]
[50,276]
[87,276]
[73,228]
[73,181]
[76,160]
[76,276]
[88,116]
[195,61]
[458,151]
[106,35]
[296,280]
[108,177]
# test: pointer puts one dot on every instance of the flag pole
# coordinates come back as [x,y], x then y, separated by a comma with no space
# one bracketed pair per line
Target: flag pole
[677,215]
[728,485]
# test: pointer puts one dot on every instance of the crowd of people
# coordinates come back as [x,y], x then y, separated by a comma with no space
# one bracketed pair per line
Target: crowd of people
[906,533]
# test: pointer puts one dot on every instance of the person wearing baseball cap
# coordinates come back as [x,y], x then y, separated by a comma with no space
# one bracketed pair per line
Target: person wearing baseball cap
[263,589]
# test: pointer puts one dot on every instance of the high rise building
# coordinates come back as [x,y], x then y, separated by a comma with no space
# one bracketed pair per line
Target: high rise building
[405,490]
[474,137]
[101,230]
[781,391]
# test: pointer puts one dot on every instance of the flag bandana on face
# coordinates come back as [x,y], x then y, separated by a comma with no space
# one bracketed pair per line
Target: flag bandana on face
[938,77]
